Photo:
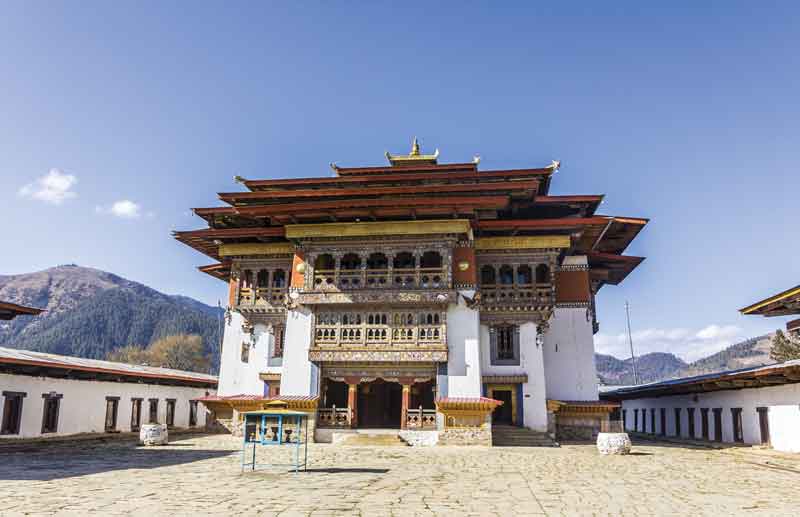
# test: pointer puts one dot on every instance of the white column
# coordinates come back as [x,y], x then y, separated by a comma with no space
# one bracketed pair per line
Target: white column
[236,376]
[534,392]
[463,341]
[299,376]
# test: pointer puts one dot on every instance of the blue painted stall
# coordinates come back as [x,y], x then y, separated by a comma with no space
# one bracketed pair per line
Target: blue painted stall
[274,428]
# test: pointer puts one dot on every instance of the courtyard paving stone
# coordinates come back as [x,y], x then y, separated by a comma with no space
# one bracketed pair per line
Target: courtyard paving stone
[200,475]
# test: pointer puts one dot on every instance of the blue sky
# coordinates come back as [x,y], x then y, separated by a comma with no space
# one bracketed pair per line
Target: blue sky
[687,114]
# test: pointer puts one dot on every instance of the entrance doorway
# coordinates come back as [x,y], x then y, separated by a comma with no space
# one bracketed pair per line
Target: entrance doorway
[503,415]
[379,404]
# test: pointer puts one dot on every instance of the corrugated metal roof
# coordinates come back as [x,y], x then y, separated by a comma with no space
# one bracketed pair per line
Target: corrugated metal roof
[28,357]
[742,373]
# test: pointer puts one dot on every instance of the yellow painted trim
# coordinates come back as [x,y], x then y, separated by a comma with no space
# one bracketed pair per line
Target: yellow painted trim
[516,243]
[299,231]
[772,299]
[254,248]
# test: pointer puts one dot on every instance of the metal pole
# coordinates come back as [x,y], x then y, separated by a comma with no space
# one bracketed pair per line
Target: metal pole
[630,342]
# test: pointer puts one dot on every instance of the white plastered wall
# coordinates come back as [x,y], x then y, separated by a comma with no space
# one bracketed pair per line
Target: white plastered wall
[569,356]
[464,355]
[236,376]
[83,403]
[299,375]
[534,399]
[747,398]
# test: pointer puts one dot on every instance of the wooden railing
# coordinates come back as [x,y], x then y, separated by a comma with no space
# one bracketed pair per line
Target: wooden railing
[517,293]
[333,417]
[421,418]
[401,328]
[398,278]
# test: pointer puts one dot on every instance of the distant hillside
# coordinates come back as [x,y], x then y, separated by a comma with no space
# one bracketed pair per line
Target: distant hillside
[660,366]
[90,312]
[649,367]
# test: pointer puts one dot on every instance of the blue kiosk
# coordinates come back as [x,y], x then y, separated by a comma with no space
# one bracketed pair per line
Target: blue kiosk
[280,428]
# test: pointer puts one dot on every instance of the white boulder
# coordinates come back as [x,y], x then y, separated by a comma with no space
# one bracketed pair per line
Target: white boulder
[613,443]
[153,434]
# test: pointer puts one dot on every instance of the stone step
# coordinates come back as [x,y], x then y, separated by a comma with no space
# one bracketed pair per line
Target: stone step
[508,436]
[382,440]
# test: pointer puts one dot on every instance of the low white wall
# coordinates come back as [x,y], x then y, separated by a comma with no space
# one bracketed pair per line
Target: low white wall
[748,399]
[83,404]
[784,426]
[464,354]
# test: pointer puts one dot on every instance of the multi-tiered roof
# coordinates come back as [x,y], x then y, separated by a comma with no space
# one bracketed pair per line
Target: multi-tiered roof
[498,203]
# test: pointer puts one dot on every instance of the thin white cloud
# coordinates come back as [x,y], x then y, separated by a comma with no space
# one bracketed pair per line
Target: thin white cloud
[687,344]
[124,208]
[53,188]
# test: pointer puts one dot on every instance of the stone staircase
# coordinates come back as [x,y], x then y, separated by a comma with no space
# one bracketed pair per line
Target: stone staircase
[511,436]
[366,439]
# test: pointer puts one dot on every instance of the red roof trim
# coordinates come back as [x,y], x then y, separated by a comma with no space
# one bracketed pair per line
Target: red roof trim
[126,373]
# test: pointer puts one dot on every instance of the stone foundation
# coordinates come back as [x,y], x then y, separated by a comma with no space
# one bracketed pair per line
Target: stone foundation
[466,436]
[419,438]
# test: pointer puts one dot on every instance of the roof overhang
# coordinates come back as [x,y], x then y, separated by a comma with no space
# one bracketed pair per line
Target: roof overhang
[781,304]
[9,311]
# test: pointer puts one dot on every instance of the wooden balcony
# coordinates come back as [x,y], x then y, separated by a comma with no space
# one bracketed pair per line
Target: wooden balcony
[262,298]
[517,294]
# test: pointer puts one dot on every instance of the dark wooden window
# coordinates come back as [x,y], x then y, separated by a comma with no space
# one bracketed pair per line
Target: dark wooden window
[170,412]
[644,420]
[136,414]
[12,412]
[718,424]
[690,421]
[678,422]
[653,421]
[624,419]
[192,413]
[736,419]
[52,401]
[635,419]
[704,423]
[153,413]
[112,406]
[504,344]
[763,424]
[278,332]
[663,422]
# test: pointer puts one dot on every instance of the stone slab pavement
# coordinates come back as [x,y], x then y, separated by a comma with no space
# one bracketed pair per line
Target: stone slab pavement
[200,475]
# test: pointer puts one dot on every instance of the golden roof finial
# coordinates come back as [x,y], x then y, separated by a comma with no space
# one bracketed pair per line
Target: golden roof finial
[414,147]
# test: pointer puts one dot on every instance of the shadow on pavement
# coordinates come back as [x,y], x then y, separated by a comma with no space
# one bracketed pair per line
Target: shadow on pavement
[59,462]
[333,470]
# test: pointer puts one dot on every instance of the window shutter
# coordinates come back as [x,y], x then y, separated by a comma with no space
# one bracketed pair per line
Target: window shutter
[493,343]
[516,342]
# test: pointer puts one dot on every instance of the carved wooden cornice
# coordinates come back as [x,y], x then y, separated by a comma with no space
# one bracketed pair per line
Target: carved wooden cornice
[256,248]
[377,296]
[377,355]
[339,230]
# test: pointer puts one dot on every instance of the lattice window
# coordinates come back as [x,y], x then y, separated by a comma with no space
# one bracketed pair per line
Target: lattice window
[504,344]
[278,334]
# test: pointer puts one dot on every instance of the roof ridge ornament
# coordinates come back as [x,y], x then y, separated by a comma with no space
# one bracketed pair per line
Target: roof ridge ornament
[554,165]
[414,157]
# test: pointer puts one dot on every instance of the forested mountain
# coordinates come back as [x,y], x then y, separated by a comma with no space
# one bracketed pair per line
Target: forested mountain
[660,366]
[89,312]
